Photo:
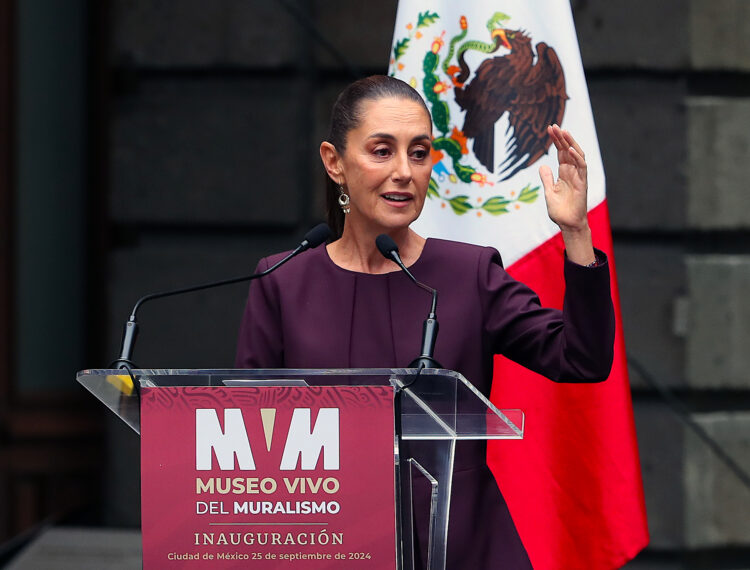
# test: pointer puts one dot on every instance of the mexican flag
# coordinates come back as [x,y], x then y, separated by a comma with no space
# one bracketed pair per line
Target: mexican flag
[494,75]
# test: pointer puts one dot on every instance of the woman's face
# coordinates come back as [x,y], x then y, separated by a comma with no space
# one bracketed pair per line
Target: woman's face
[387,165]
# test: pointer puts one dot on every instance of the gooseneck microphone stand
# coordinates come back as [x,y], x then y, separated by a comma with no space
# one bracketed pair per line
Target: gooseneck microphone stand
[388,248]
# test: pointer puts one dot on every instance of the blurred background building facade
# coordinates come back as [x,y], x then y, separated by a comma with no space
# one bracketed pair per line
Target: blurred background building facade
[152,144]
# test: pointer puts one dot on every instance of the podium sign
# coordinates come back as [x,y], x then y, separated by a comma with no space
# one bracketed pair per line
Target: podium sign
[268,475]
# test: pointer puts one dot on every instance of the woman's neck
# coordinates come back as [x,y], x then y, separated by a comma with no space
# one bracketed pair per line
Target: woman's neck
[356,250]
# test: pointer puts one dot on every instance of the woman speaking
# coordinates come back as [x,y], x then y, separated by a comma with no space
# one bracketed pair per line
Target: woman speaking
[346,306]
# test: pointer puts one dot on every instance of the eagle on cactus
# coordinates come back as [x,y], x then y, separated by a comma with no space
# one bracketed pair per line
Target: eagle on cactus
[531,92]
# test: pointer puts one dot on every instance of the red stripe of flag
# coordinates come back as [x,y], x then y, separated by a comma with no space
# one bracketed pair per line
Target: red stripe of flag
[573,485]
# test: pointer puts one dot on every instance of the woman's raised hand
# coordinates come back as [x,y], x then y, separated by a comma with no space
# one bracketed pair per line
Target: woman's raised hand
[566,197]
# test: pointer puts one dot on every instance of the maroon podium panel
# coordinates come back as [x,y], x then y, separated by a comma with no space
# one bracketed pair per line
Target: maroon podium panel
[268,476]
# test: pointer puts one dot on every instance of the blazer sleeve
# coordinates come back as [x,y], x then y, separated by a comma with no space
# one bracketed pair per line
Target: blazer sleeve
[572,345]
[260,342]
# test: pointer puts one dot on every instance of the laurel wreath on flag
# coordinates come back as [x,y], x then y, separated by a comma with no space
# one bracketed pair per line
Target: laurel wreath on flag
[451,140]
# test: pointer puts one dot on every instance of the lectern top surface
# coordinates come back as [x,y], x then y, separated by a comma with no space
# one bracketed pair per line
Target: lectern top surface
[435,403]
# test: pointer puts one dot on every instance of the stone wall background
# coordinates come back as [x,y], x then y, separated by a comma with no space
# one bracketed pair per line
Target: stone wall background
[216,110]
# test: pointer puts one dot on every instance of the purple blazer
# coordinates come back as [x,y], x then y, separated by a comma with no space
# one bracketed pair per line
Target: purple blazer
[310,313]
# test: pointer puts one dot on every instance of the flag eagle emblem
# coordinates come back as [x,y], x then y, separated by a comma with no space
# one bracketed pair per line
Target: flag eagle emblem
[519,84]
[532,93]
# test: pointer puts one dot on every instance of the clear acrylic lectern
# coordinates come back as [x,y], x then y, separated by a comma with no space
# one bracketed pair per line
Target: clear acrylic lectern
[435,408]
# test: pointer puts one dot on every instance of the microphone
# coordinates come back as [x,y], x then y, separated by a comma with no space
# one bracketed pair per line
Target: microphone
[388,248]
[312,238]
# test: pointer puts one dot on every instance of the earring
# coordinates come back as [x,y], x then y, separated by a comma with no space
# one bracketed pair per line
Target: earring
[343,200]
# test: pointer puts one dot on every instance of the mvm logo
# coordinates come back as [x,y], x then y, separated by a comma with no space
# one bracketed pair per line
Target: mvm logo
[303,446]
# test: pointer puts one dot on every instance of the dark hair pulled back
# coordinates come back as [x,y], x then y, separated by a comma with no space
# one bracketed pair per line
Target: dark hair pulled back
[347,115]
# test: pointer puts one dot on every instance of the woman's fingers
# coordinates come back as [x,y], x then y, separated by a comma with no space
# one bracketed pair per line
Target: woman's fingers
[577,157]
[555,134]
[571,142]
[572,169]
[563,140]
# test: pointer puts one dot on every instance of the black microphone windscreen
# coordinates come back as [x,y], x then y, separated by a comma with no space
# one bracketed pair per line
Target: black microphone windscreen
[317,235]
[386,245]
